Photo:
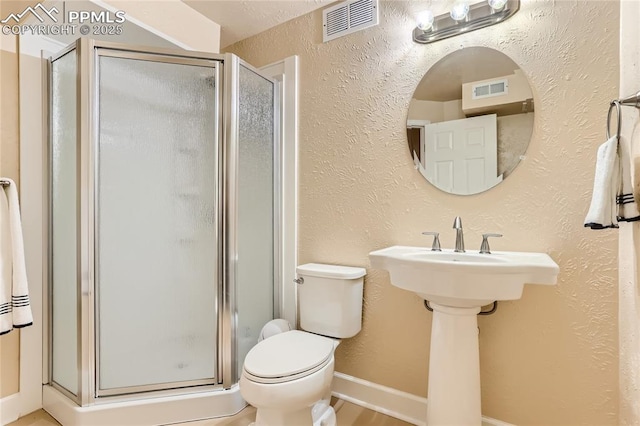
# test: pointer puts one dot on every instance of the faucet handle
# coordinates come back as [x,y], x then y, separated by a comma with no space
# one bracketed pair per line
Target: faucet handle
[436,240]
[457,223]
[484,247]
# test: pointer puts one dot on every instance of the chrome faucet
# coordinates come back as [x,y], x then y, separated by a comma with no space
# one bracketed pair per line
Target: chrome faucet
[457,225]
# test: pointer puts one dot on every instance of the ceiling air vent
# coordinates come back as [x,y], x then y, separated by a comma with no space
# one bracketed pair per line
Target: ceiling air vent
[348,17]
[490,89]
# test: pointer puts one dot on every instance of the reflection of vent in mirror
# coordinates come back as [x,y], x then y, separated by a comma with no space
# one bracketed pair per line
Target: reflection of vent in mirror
[348,17]
[492,88]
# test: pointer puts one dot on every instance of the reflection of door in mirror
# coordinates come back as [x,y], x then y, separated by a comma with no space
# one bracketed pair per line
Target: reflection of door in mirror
[464,85]
[416,138]
[413,134]
[462,155]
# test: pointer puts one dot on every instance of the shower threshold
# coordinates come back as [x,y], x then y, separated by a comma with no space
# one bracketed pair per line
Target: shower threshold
[144,412]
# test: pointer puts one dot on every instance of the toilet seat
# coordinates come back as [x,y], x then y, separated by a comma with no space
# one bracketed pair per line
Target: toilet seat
[288,356]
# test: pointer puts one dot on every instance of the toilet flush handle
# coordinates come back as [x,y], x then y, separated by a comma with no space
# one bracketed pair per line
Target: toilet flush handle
[298,280]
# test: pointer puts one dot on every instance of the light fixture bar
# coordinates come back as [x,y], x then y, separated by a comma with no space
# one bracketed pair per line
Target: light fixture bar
[480,15]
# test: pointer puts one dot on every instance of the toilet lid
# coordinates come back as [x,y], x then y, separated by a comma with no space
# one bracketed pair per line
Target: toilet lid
[288,354]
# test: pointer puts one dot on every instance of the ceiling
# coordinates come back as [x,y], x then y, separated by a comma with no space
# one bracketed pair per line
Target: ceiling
[239,19]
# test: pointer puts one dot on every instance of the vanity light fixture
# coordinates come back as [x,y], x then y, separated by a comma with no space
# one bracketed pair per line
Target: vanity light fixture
[459,11]
[497,5]
[425,20]
[463,18]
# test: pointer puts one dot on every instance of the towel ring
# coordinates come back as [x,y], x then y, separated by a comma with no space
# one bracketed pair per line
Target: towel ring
[615,103]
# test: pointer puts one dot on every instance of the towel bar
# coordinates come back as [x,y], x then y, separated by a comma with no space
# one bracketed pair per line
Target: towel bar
[4,182]
[617,104]
[632,101]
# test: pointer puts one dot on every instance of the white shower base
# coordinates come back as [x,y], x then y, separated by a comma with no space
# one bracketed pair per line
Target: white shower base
[144,412]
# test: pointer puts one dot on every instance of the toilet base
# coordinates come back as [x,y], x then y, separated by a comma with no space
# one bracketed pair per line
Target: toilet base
[269,417]
[321,414]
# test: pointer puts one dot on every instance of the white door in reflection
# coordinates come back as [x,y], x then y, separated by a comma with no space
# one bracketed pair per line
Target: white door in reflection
[462,155]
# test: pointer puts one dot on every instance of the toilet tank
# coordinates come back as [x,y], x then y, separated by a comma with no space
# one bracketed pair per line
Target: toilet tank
[330,299]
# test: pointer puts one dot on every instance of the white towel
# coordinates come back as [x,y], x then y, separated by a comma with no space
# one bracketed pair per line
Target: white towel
[634,149]
[603,212]
[627,206]
[15,310]
[6,260]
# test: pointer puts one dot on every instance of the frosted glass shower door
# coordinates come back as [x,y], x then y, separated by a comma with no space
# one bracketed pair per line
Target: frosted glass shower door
[64,235]
[257,195]
[156,223]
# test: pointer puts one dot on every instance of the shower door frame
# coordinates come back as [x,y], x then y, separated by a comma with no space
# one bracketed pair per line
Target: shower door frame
[225,368]
[228,323]
[93,201]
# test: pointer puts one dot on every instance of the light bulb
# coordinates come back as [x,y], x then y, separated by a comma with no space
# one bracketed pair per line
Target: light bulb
[425,20]
[497,4]
[459,11]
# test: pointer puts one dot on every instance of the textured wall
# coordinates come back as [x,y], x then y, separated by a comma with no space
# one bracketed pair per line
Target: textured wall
[514,135]
[629,245]
[548,359]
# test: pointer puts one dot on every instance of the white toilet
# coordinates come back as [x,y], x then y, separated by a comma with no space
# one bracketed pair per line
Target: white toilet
[287,377]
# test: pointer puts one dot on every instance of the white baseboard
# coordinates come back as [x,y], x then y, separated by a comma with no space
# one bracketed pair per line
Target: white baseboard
[385,400]
[392,402]
[9,409]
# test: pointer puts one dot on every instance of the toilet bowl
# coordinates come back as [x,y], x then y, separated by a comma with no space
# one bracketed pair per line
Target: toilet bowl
[287,376]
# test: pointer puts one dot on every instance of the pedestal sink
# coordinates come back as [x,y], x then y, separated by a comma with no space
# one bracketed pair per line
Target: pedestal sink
[458,285]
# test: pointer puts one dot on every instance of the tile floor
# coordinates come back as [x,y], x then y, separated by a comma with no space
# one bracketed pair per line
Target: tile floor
[348,414]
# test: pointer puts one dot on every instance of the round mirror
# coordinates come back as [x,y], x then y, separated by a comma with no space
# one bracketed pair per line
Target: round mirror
[470,120]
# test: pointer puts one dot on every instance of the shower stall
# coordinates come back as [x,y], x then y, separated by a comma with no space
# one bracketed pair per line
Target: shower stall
[163,231]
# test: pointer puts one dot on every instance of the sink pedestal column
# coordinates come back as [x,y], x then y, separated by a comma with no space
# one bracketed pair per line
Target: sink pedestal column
[454,368]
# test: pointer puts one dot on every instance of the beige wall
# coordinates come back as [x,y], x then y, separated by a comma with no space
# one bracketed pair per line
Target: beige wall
[629,245]
[9,156]
[435,111]
[514,135]
[9,343]
[548,359]
[432,111]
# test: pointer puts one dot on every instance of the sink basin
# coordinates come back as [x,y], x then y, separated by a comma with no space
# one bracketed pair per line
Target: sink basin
[464,279]
[457,285]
